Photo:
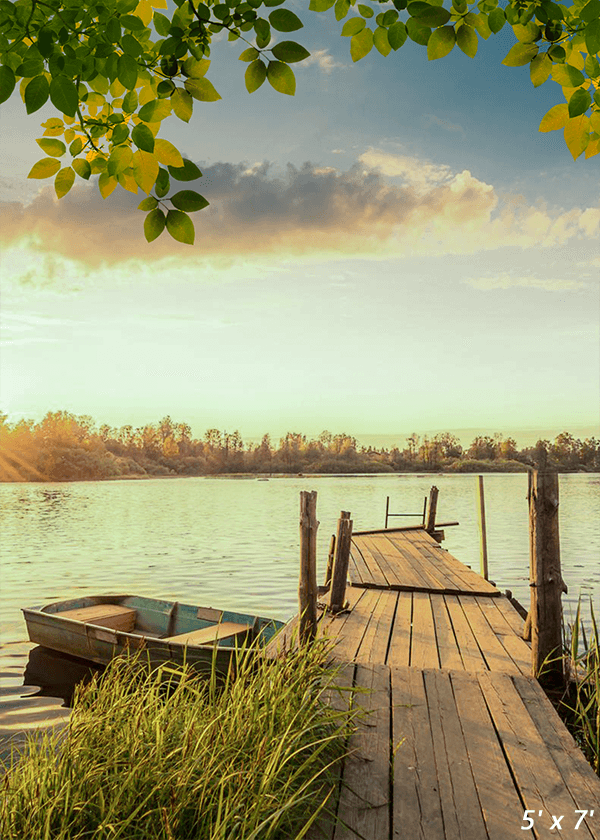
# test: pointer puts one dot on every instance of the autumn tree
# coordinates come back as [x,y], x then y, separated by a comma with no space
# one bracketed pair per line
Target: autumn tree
[116,69]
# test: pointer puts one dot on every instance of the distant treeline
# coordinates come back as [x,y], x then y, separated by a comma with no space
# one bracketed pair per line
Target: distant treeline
[64,447]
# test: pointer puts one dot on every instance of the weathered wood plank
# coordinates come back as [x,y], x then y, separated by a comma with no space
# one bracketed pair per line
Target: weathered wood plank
[447,646]
[423,650]
[364,576]
[349,638]
[399,647]
[511,616]
[467,643]
[389,569]
[494,653]
[516,648]
[417,810]
[415,563]
[364,807]
[499,799]
[375,571]
[374,644]
[460,804]
[540,784]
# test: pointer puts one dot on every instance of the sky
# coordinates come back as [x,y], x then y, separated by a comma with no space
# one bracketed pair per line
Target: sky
[395,249]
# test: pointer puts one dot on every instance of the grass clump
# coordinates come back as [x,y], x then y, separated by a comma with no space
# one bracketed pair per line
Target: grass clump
[580,707]
[169,755]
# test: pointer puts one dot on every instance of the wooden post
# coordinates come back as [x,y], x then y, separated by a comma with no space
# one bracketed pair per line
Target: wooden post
[546,580]
[307,590]
[433,497]
[387,510]
[482,531]
[424,510]
[330,557]
[340,567]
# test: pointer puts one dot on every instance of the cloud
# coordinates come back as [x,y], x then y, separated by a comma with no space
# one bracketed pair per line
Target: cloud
[257,211]
[431,119]
[508,281]
[323,60]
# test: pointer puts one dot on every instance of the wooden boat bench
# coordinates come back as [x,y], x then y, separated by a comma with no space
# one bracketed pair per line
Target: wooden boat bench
[212,634]
[112,616]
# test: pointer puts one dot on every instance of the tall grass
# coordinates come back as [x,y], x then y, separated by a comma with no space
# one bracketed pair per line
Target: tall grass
[167,755]
[580,707]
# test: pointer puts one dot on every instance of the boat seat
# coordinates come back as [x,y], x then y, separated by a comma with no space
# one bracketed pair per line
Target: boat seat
[113,616]
[212,634]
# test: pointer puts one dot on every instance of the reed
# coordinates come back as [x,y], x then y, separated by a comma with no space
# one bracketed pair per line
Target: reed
[580,707]
[168,755]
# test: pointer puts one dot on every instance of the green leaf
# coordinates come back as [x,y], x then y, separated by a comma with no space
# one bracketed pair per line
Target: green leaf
[567,76]
[480,22]
[520,55]
[592,67]
[433,16]
[162,24]
[466,38]
[189,200]
[182,103]
[196,68]
[107,184]
[127,71]
[539,69]
[63,182]
[255,75]
[592,37]
[320,5]
[496,20]
[180,226]
[130,100]
[290,52]
[149,203]
[145,170]
[353,27]
[143,137]
[83,168]
[579,102]
[155,110]
[120,134]
[44,168]
[577,134]
[36,93]
[167,153]
[76,146]
[120,159]
[55,148]
[417,32]
[365,11]
[131,22]
[341,9]
[380,40]
[251,54]
[361,44]
[189,171]
[441,42]
[202,90]
[154,224]
[64,96]
[281,77]
[527,34]
[285,21]
[397,35]
[591,11]
[556,118]
[163,183]
[7,82]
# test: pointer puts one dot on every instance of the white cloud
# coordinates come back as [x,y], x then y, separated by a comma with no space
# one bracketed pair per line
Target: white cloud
[323,60]
[508,281]
[419,174]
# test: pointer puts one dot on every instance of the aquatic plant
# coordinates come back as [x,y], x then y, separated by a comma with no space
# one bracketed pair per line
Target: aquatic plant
[168,755]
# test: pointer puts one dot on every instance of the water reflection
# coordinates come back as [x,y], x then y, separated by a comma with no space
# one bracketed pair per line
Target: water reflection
[57,674]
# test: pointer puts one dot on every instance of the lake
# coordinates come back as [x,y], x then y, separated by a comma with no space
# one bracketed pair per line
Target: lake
[233,543]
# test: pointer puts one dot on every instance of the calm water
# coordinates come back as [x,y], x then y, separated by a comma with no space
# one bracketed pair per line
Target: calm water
[233,543]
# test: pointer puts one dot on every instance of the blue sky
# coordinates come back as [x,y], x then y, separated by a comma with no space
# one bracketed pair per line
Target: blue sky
[394,249]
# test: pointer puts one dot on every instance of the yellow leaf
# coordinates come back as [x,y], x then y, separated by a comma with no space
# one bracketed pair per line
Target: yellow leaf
[555,118]
[68,120]
[145,170]
[69,135]
[117,89]
[97,162]
[55,131]
[145,95]
[144,11]
[64,181]
[44,168]
[167,154]
[106,184]
[127,181]
[593,148]
[577,134]
[595,121]
[158,4]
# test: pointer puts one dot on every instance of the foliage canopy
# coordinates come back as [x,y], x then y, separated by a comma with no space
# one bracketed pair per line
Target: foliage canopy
[115,69]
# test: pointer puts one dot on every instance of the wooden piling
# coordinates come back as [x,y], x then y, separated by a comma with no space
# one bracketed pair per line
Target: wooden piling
[330,558]
[546,580]
[431,510]
[307,589]
[340,566]
[387,510]
[482,531]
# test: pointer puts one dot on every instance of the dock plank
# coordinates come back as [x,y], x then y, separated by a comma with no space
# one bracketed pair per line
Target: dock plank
[399,646]
[491,647]
[448,651]
[467,643]
[423,650]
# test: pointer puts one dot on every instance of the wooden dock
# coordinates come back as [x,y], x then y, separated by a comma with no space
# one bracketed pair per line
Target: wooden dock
[459,741]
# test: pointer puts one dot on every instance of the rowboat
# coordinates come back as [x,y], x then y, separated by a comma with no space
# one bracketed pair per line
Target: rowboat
[100,627]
